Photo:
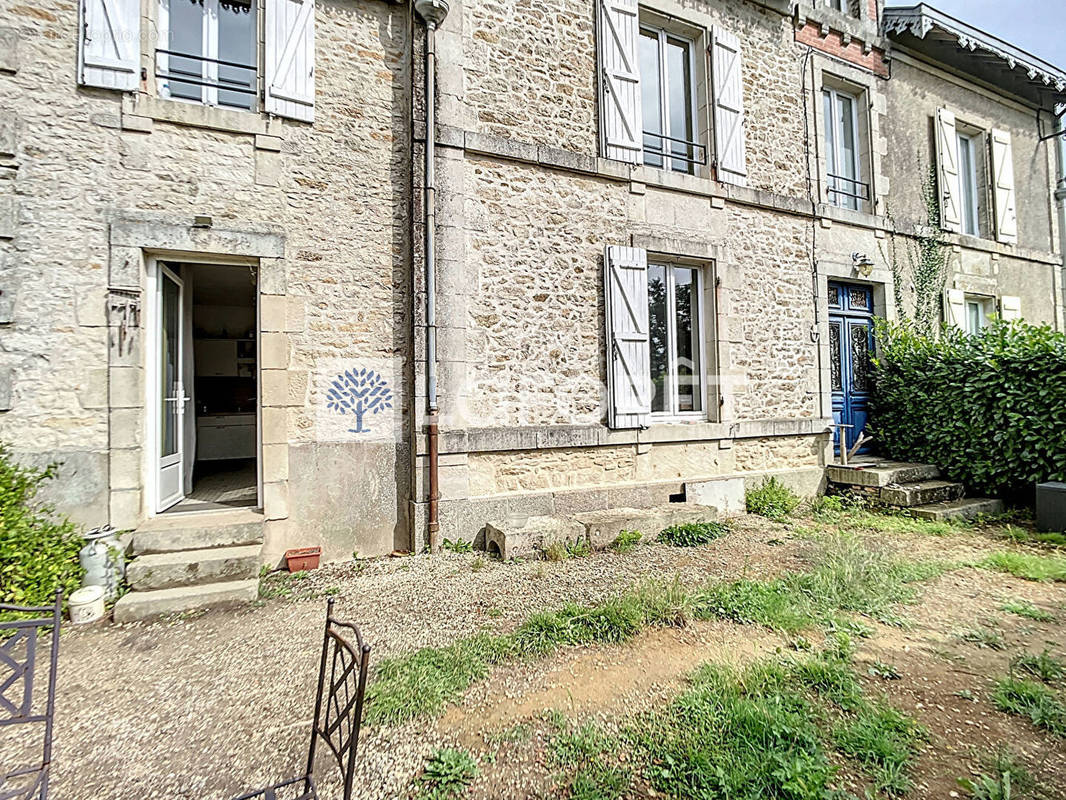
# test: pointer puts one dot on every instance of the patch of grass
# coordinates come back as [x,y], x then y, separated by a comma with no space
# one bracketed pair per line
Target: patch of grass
[1023,608]
[882,738]
[1004,777]
[478,564]
[519,732]
[626,541]
[556,551]
[447,774]
[1030,699]
[774,604]
[1020,535]
[1044,666]
[597,781]
[1029,566]
[458,546]
[984,637]
[692,534]
[772,499]
[573,746]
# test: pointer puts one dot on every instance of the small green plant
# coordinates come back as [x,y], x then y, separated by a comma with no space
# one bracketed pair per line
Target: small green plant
[772,500]
[478,564]
[300,575]
[1028,566]
[448,772]
[691,534]
[883,738]
[556,551]
[494,613]
[626,541]
[458,546]
[38,548]
[880,669]
[1005,777]
[579,548]
[987,787]
[984,637]
[1030,699]
[1023,608]
[1044,666]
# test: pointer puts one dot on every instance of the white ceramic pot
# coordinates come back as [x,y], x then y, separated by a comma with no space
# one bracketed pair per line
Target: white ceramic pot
[86,604]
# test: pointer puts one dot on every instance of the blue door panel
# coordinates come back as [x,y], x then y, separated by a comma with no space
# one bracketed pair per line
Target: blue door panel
[850,345]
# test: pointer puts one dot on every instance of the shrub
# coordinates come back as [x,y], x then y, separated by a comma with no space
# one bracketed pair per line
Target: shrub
[989,410]
[772,499]
[692,534]
[38,549]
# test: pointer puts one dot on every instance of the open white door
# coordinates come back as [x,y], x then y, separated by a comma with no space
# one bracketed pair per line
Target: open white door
[171,398]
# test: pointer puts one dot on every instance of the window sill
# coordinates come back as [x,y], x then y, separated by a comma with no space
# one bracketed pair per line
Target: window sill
[178,112]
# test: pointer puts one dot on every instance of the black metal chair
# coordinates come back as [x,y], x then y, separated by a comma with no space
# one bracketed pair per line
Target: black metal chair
[18,658]
[338,711]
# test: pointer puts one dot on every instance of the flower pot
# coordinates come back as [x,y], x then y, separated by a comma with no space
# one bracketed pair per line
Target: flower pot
[301,558]
[86,604]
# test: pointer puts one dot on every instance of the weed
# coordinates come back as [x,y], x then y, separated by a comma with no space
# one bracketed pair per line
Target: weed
[1007,775]
[579,548]
[478,564]
[1030,699]
[1028,566]
[519,732]
[596,781]
[1020,535]
[691,534]
[966,694]
[448,772]
[331,591]
[883,738]
[772,499]
[626,541]
[556,551]
[880,669]
[571,747]
[458,546]
[1044,666]
[494,613]
[984,637]
[1023,608]
[300,575]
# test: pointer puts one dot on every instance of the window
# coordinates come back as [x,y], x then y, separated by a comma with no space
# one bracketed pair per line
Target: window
[208,53]
[977,310]
[844,187]
[668,102]
[968,184]
[675,325]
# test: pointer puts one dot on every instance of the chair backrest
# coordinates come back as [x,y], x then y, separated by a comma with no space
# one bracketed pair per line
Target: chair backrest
[19,704]
[339,702]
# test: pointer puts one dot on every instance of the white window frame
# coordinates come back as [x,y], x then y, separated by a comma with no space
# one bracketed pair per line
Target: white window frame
[982,305]
[833,198]
[970,221]
[209,45]
[664,100]
[671,413]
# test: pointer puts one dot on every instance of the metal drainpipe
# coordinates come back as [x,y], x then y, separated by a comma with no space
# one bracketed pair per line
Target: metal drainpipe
[1060,197]
[433,12]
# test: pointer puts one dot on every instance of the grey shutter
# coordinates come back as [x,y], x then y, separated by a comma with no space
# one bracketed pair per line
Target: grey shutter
[290,59]
[727,75]
[947,153]
[955,308]
[621,123]
[1003,174]
[625,272]
[1010,308]
[109,49]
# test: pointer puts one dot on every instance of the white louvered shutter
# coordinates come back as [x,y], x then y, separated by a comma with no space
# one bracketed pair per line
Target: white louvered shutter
[955,308]
[1006,202]
[621,122]
[947,154]
[727,75]
[625,272]
[1010,308]
[290,59]
[109,50]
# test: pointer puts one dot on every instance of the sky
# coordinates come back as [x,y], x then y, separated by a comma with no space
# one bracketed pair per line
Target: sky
[1037,26]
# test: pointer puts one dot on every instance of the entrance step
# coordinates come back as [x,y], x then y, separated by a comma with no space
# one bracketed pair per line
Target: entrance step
[137,606]
[965,508]
[524,537]
[881,473]
[198,531]
[920,493]
[191,567]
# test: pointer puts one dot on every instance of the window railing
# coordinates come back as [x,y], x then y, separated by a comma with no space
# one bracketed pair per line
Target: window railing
[241,85]
[858,190]
[692,152]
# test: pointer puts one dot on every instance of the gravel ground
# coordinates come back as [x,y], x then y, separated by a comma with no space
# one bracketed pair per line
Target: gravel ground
[217,704]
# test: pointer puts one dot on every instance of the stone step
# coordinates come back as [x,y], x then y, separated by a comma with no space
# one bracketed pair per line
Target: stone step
[191,567]
[920,493]
[965,508]
[172,534]
[881,473]
[136,606]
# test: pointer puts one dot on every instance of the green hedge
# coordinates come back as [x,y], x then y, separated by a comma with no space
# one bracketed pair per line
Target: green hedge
[989,410]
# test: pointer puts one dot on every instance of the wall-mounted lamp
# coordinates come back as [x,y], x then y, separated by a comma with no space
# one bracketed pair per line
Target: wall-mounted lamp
[863,264]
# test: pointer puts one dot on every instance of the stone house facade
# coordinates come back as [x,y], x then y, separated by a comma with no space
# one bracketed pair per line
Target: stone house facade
[656,226]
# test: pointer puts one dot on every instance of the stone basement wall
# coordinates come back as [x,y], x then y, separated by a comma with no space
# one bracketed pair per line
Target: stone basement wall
[90,178]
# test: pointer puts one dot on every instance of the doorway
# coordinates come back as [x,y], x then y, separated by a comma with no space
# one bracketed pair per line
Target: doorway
[206,387]
[851,324]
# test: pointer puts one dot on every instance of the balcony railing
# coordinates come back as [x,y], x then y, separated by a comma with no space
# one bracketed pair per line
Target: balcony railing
[858,190]
[242,83]
[665,147]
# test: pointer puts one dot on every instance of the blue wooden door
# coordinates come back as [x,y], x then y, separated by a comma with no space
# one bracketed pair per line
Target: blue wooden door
[850,344]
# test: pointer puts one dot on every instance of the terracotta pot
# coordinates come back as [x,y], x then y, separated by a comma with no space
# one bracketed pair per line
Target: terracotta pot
[301,558]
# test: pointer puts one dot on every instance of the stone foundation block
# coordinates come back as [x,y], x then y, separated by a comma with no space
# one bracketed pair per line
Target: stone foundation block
[725,495]
[603,527]
[522,537]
